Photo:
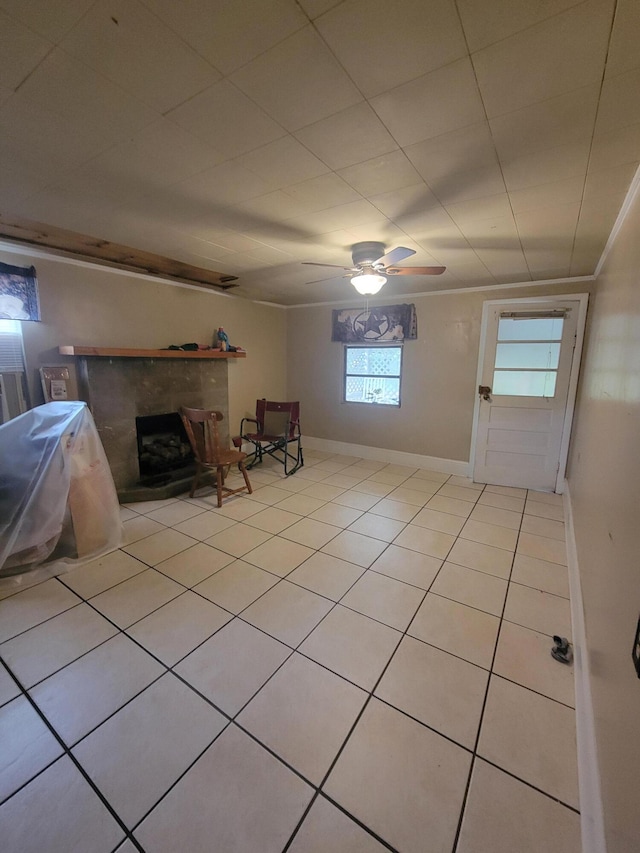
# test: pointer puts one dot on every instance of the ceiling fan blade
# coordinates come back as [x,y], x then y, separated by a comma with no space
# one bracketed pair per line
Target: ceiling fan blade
[335,266]
[414,270]
[395,256]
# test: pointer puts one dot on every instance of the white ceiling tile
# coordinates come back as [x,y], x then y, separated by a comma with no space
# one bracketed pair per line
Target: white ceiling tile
[160,154]
[21,50]
[616,147]
[488,207]
[228,183]
[551,228]
[459,165]
[558,55]
[619,104]
[615,179]
[623,51]
[325,191]
[131,47]
[348,137]
[343,216]
[360,33]
[230,33]
[283,162]
[546,167]
[315,8]
[381,174]
[83,100]
[405,201]
[489,233]
[433,229]
[51,20]
[298,82]
[444,100]
[547,195]
[558,121]
[505,262]
[382,230]
[275,206]
[225,118]
[485,23]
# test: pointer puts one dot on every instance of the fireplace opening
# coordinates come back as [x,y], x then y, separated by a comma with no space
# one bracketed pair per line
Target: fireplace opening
[164,452]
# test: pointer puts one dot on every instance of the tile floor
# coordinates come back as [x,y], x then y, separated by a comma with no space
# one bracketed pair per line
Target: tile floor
[355,658]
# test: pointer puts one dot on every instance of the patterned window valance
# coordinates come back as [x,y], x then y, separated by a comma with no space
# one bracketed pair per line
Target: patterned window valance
[375,325]
[18,293]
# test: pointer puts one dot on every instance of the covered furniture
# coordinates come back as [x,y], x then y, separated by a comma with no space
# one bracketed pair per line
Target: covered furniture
[276,432]
[201,426]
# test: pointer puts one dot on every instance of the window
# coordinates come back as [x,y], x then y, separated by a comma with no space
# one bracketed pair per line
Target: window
[12,396]
[372,375]
[527,354]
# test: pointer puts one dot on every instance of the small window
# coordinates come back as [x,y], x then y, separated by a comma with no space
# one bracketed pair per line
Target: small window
[372,375]
[527,355]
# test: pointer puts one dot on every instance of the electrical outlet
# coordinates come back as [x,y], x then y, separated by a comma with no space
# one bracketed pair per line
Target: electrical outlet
[635,654]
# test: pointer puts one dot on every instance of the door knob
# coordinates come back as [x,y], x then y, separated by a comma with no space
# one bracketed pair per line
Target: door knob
[485,392]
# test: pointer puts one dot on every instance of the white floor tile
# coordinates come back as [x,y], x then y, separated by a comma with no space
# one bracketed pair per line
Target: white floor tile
[326,575]
[160,546]
[287,612]
[543,527]
[272,520]
[136,755]
[463,509]
[495,515]
[482,558]
[490,534]
[237,798]
[48,647]
[26,609]
[377,527]
[313,534]
[355,548]
[304,714]
[279,556]
[58,812]
[175,629]
[426,541]
[195,564]
[442,521]
[27,745]
[327,828]
[524,656]
[541,611]
[543,548]
[385,599]
[504,815]
[448,696]
[103,573]
[236,586]
[204,525]
[408,566]
[397,510]
[546,757]
[352,645]
[468,586]
[85,693]
[550,577]
[356,500]
[8,688]
[233,665]
[458,492]
[464,631]
[135,598]
[174,513]
[333,513]
[238,540]
[401,779]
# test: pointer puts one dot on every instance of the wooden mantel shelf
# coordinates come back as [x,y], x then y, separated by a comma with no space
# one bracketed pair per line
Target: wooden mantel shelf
[106,352]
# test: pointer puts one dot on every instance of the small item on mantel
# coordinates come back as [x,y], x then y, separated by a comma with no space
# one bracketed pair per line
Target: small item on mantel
[189,347]
[223,342]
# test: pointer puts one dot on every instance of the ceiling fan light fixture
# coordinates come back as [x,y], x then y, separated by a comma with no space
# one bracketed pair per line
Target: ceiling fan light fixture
[368,283]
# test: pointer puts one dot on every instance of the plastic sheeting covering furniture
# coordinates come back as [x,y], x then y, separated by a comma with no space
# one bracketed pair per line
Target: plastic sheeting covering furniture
[58,503]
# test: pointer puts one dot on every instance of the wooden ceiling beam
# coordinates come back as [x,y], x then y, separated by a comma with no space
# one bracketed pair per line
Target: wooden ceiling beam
[110,254]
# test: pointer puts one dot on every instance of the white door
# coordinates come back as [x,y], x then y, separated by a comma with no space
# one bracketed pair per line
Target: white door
[523,392]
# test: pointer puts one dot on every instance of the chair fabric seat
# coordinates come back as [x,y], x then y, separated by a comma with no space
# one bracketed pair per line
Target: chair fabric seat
[275,431]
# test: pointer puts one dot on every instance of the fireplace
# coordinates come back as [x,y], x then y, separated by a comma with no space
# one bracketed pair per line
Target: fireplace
[124,386]
[164,452]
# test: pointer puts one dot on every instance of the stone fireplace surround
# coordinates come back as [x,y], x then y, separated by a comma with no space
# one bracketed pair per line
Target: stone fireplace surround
[120,385]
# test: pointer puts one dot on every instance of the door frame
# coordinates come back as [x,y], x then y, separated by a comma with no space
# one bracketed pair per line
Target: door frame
[490,305]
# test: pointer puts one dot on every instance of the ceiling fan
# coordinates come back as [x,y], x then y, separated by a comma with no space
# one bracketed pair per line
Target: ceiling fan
[371,266]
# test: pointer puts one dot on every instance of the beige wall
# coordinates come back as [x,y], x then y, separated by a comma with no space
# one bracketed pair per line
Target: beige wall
[604,478]
[438,378]
[96,307]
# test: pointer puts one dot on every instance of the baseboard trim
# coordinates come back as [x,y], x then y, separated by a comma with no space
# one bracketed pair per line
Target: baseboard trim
[381,454]
[591,813]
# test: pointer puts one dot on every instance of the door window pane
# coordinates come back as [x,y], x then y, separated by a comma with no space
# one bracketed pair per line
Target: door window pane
[526,329]
[524,383]
[528,355]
